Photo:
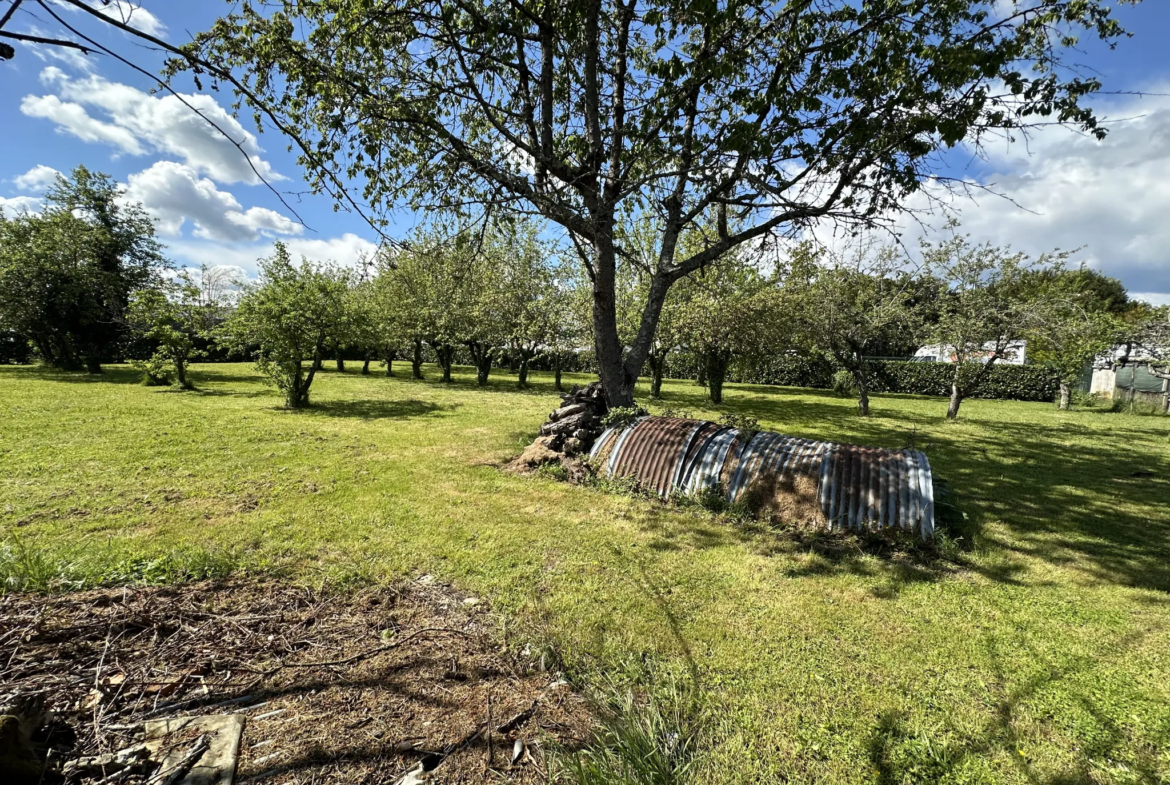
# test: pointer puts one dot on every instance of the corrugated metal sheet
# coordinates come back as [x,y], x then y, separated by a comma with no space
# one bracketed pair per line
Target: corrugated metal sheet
[857,488]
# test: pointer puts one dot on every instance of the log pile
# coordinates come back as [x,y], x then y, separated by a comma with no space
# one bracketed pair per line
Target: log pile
[569,431]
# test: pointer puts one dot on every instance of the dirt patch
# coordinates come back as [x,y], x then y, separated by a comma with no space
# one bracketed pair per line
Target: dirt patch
[360,688]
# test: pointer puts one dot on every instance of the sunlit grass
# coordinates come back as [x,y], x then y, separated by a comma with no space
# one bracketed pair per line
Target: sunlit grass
[1041,656]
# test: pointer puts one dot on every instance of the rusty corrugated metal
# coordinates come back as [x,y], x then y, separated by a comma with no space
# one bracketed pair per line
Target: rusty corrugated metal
[858,488]
[654,451]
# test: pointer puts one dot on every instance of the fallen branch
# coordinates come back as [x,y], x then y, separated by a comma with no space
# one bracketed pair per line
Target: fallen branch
[362,655]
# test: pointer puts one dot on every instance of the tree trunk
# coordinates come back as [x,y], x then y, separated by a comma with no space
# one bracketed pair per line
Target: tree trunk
[416,360]
[1065,396]
[391,355]
[956,400]
[481,357]
[181,374]
[340,363]
[862,394]
[93,364]
[522,372]
[701,376]
[366,365]
[298,393]
[514,362]
[716,362]
[445,353]
[656,360]
[1166,395]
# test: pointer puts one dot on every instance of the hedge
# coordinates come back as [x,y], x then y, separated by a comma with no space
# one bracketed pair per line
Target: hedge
[1011,382]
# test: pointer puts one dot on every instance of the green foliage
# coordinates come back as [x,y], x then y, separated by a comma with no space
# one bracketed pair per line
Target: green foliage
[155,370]
[292,315]
[747,426]
[843,384]
[66,275]
[623,416]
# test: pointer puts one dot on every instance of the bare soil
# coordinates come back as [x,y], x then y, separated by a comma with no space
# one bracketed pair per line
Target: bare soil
[339,688]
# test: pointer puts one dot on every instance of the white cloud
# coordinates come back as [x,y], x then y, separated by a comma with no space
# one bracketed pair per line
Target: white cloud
[37,179]
[19,204]
[1153,298]
[173,193]
[138,123]
[72,118]
[344,250]
[1111,199]
[347,250]
[263,220]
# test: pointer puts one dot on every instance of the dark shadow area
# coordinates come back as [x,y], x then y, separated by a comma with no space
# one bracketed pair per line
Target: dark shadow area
[120,374]
[373,409]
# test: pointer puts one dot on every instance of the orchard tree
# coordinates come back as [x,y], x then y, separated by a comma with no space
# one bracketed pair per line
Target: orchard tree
[988,305]
[173,318]
[851,305]
[294,314]
[66,275]
[1084,321]
[772,115]
[724,313]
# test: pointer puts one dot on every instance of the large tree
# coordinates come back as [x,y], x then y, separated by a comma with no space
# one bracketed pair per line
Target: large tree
[780,114]
[66,275]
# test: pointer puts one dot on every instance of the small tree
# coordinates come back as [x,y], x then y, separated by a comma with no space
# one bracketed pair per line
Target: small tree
[724,313]
[1083,308]
[988,306]
[850,306]
[172,317]
[293,315]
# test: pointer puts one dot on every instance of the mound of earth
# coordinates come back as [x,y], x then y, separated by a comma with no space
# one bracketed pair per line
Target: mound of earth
[405,684]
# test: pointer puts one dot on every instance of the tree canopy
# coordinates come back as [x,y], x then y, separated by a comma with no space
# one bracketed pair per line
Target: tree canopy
[773,114]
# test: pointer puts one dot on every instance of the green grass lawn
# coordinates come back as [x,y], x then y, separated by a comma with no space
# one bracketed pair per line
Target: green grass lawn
[1041,656]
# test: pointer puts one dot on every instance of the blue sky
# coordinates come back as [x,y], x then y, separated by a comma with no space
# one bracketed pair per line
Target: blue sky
[1110,199]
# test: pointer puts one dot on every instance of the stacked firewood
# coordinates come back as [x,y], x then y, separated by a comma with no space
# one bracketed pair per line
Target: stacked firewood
[570,430]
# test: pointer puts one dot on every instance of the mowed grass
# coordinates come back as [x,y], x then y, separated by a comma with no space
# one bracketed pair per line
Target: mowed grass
[1042,655]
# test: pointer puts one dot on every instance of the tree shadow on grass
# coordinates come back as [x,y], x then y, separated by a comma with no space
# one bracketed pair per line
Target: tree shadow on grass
[118,374]
[901,753]
[377,409]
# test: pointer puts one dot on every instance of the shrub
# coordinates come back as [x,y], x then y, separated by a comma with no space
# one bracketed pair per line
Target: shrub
[1010,382]
[623,416]
[843,385]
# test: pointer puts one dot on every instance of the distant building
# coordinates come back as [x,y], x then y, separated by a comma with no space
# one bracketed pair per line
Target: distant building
[1121,374]
[1014,354]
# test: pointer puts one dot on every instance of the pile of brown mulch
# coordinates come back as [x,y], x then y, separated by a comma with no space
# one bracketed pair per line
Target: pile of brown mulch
[360,688]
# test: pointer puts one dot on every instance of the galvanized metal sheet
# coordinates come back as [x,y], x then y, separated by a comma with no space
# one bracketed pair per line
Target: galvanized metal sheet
[858,488]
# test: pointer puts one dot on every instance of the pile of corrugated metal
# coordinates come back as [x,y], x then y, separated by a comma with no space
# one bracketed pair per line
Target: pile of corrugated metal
[801,481]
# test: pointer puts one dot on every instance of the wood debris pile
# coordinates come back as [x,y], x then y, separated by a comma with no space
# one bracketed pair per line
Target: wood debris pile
[569,431]
[404,684]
